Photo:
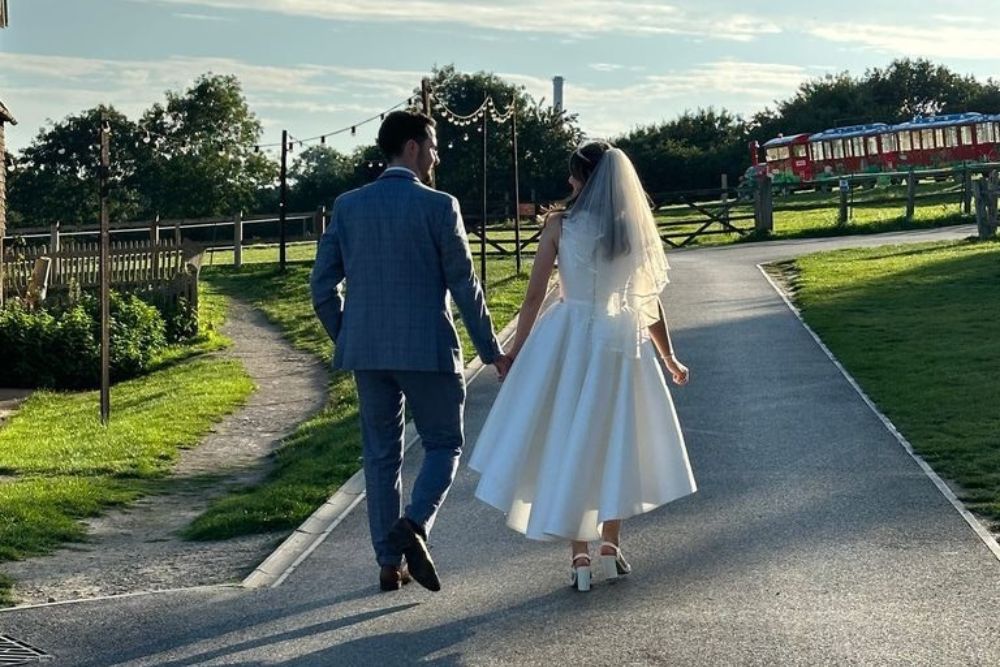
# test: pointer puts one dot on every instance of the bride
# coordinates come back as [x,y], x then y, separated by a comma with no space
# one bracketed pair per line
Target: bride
[583,433]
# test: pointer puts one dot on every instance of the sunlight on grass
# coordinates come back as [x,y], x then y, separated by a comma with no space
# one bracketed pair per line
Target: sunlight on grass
[916,325]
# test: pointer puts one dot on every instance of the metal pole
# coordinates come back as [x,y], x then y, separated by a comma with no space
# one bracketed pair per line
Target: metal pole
[282,205]
[517,190]
[482,224]
[425,101]
[105,269]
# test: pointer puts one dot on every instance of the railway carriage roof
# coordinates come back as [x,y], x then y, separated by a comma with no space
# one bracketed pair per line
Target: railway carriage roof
[850,131]
[784,141]
[926,122]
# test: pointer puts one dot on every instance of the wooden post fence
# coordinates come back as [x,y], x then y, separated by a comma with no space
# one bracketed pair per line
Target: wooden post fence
[238,240]
[763,213]
[966,190]
[986,217]
[842,214]
[911,193]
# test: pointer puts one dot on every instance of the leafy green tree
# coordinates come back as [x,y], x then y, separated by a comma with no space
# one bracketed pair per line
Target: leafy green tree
[688,152]
[545,140]
[56,177]
[200,156]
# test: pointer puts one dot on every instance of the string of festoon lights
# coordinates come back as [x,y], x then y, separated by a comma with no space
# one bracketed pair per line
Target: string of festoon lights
[488,107]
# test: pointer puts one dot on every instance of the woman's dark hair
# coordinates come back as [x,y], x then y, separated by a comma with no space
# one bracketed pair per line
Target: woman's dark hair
[583,162]
[401,126]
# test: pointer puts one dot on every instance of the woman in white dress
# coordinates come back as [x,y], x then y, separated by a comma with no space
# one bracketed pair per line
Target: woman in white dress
[583,433]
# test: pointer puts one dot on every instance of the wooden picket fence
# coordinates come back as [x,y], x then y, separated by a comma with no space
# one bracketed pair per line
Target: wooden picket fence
[166,269]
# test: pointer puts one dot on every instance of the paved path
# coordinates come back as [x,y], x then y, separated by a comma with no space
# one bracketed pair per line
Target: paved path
[814,539]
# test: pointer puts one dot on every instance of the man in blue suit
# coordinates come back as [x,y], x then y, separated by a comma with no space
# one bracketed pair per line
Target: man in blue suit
[401,248]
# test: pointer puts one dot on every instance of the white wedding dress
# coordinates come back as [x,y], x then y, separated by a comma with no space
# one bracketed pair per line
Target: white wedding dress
[583,429]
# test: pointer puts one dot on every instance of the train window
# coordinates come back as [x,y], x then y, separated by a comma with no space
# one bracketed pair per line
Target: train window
[889,143]
[799,150]
[858,144]
[772,154]
[939,137]
[965,132]
[927,139]
[838,149]
[816,151]
[915,138]
[827,150]
[904,142]
[783,152]
[873,145]
[951,137]
[848,148]
[996,131]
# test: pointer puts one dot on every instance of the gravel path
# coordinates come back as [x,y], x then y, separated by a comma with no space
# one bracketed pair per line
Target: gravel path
[137,549]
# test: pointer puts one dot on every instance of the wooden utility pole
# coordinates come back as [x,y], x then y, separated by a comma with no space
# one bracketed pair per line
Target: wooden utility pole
[517,187]
[105,268]
[425,103]
[283,203]
[482,223]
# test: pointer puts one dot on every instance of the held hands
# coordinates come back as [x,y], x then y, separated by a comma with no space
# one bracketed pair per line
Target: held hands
[502,366]
[678,371]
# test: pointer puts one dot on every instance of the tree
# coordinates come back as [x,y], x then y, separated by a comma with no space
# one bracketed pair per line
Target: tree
[545,140]
[688,152]
[200,156]
[55,179]
[319,174]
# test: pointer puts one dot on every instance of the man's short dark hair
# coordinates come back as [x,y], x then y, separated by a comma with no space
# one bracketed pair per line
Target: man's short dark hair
[401,126]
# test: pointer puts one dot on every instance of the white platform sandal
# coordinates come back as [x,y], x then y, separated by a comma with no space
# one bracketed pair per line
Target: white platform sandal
[580,574]
[614,565]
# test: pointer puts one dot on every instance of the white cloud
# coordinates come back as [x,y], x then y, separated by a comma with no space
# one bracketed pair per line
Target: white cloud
[605,67]
[954,38]
[574,18]
[203,17]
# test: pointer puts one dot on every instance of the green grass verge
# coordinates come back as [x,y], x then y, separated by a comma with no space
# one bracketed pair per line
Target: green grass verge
[60,465]
[916,325]
[325,450]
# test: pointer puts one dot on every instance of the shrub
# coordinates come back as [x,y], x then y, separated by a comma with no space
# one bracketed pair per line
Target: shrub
[59,347]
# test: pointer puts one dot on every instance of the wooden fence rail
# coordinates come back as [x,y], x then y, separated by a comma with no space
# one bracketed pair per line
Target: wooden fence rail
[165,268]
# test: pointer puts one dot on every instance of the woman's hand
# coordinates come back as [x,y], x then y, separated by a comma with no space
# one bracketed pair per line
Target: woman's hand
[678,370]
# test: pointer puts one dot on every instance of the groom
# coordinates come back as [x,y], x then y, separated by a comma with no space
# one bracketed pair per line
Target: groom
[401,248]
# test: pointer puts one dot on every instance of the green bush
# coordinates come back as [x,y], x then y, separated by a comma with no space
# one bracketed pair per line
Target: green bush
[59,347]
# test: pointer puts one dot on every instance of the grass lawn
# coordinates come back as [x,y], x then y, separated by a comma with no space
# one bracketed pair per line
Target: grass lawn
[917,326]
[58,464]
[324,451]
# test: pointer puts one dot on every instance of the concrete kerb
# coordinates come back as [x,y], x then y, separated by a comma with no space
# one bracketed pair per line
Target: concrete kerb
[978,528]
[310,535]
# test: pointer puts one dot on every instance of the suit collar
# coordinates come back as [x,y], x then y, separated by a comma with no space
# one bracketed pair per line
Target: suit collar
[398,172]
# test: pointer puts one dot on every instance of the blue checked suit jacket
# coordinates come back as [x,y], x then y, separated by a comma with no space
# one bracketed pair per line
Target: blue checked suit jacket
[401,248]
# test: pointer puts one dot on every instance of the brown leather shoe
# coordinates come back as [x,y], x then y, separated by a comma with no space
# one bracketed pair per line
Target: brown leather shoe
[392,577]
[406,538]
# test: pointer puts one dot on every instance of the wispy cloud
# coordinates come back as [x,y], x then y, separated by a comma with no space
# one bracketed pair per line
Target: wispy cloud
[956,37]
[572,18]
[605,67]
[204,17]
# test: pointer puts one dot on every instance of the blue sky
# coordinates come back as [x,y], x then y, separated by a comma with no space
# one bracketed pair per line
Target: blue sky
[313,66]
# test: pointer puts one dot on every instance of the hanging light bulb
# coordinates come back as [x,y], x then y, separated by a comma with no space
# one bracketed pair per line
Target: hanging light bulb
[61,151]
[466,137]
[451,144]
[322,140]
[222,151]
[146,139]
[369,165]
[354,131]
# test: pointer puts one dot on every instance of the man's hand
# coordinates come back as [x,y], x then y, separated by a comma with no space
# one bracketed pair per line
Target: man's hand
[502,366]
